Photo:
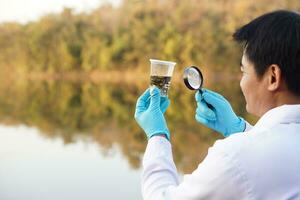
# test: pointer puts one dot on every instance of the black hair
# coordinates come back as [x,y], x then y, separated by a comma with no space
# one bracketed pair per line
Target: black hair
[274,38]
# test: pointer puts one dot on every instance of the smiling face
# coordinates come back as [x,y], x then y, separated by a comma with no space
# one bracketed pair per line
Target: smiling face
[255,89]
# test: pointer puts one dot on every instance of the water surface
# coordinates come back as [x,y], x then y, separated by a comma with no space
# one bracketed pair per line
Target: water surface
[78,140]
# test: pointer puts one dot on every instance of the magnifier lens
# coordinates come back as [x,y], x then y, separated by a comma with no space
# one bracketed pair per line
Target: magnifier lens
[194,78]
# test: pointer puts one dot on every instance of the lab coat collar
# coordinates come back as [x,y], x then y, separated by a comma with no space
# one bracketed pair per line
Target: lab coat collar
[282,114]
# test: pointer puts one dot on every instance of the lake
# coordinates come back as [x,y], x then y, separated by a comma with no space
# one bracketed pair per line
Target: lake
[78,140]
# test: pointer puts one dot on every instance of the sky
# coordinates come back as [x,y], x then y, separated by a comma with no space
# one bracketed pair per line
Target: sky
[30,10]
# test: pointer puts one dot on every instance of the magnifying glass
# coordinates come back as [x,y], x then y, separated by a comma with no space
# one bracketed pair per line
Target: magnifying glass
[193,79]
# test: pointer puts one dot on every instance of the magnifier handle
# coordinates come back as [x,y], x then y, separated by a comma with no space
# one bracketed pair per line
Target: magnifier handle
[209,105]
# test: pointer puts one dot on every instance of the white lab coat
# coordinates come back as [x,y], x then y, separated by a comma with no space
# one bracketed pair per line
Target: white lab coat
[262,163]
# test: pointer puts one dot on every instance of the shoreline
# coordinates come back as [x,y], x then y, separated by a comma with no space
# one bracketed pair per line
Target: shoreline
[116,77]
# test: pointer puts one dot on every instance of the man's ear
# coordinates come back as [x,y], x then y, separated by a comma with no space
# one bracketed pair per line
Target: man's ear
[274,77]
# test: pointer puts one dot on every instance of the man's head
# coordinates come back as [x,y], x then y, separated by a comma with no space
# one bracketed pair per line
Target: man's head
[271,61]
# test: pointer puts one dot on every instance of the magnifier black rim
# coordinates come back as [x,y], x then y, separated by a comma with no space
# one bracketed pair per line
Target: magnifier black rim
[185,77]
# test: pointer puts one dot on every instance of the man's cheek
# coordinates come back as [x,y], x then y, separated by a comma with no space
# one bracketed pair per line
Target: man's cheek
[242,86]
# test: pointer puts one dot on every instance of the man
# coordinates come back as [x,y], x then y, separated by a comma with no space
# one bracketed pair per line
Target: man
[259,162]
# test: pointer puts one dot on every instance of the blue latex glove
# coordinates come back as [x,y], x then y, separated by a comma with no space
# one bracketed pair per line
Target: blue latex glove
[218,115]
[149,113]
[164,103]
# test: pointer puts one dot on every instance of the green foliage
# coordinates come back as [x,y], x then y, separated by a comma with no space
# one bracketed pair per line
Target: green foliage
[124,37]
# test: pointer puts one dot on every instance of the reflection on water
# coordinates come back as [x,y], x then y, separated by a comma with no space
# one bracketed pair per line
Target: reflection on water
[35,168]
[92,116]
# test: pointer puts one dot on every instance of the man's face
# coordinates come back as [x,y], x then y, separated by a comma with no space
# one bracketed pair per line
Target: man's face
[253,88]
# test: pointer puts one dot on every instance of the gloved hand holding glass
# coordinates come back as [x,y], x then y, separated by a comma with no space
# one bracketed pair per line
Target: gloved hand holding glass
[149,113]
[152,105]
[213,110]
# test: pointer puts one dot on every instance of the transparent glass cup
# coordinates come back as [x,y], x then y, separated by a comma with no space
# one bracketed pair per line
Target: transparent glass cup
[160,75]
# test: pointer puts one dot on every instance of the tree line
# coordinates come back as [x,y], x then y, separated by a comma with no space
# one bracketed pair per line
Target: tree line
[126,36]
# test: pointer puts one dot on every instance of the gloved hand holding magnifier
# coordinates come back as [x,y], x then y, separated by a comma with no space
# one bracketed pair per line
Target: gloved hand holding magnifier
[213,110]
